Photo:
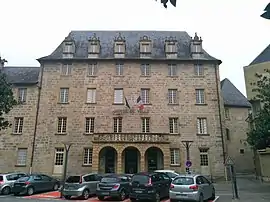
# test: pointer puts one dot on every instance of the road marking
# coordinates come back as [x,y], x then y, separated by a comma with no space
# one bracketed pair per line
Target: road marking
[217,197]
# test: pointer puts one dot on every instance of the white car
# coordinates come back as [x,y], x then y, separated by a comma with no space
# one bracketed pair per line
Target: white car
[171,173]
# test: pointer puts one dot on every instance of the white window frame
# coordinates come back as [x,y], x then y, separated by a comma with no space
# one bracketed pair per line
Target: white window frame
[21,156]
[145,95]
[119,69]
[145,47]
[66,69]
[18,126]
[87,156]
[91,95]
[202,126]
[92,69]
[199,69]
[89,125]
[64,95]
[204,157]
[68,48]
[117,124]
[118,47]
[200,96]
[172,69]
[145,70]
[145,125]
[172,96]
[22,92]
[173,125]
[62,125]
[175,156]
[118,96]
[59,156]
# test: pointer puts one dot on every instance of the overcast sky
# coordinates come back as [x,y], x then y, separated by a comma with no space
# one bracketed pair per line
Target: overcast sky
[232,30]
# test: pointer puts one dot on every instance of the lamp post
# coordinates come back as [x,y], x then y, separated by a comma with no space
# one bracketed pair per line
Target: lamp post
[67,148]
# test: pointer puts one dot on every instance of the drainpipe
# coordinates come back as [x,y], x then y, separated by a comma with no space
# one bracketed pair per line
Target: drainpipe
[36,119]
[220,117]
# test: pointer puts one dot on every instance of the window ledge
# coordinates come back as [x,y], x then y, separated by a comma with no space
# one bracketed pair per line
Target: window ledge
[174,133]
[200,104]
[86,165]
[203,134]
[145,76]
[88,134]
[146,103]
[172,76]
[60,133]
[199,76]
[21,102]
[90,103]
[173,104]
[65,75]
[175,165]
[20,165]
[16,133]
[63,103]
[92,76]
[118,103]
[118,76]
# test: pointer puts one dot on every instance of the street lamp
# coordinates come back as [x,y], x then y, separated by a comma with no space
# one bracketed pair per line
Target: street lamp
[67,148]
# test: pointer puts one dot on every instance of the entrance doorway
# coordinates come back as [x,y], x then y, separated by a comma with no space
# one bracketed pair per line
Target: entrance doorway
[131,157]
[154,159]
[108,160]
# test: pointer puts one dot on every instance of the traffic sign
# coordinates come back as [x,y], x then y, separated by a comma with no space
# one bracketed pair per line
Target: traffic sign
[188,163]
[229,161]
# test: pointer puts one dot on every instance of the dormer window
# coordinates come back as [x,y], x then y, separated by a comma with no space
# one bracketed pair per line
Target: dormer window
[196,47]
[119,46]
[93,47]
[171,47]
[145,46]
[68,48]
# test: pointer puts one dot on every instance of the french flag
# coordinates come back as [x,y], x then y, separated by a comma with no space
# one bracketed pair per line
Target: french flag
[140,103]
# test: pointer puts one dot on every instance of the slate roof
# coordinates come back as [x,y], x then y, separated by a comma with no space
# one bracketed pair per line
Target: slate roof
[132,39]
[232,96]
[264,56]
[22,75]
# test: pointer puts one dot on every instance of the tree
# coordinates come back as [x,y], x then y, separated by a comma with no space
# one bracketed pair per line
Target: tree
[259,134]
[7,100]
[266,14]
[164,2]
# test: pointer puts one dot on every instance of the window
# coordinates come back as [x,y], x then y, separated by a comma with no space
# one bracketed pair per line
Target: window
[145,125]
[200,96]
[66,69]
[242,151]
[145,70]
[204,157]
[18,125]
[92,69]
[119,68]
[89,125]
[227,134]
[22,95]
[62,125]
[59,156]
[118,96]
[227,113]
[175,157]
[172,94]
[21,157]
[201,126]
[173,125]
[199,70]
[87,156]
[91,95]
[117,124]
[145,48]
[172,69]
[145,95]
[64,93]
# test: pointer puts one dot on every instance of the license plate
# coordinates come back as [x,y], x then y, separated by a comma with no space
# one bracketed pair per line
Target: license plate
[181,195]
[138,192]
[105,193]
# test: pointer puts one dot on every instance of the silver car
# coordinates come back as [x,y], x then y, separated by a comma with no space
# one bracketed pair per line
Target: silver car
[191,188]
[171,173]
[81,185]
[7,181]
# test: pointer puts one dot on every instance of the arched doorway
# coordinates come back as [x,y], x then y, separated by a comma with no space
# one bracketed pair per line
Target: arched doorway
[154,159]
[131,160]
[108,160]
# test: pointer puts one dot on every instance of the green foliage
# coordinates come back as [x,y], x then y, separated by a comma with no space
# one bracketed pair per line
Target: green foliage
[259,135]
[7,100]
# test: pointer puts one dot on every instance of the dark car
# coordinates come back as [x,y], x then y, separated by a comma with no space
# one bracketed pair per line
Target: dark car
[35,183]
[149,186]
[115,186]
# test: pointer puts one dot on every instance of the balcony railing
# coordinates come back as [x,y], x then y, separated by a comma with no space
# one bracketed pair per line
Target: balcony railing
[131,137]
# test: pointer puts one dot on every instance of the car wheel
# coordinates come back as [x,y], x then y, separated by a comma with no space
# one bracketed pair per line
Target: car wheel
[213,195]
[122,195]
[85,194]
[67,197]
[30,191]
[157,197]
[55,186]
[6,191]
[101,198]
[201,198]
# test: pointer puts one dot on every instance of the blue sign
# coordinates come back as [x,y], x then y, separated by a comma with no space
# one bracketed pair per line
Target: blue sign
[188,163]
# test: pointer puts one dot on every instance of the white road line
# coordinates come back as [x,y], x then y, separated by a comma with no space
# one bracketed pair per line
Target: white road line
[217,197]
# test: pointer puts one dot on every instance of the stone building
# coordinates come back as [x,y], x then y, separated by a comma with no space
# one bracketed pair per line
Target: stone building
[237,109]
[127,101]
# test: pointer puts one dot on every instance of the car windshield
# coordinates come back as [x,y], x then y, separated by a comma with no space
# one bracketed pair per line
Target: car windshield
[183,181]
[1,178]
[143,179]
[73,179]
[23,179]
[110,179]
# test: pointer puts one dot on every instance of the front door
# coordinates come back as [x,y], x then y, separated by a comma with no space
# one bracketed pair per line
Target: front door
[110,161]
[131,161]
[152,160]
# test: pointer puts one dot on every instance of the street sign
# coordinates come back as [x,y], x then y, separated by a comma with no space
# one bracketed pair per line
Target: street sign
[229,161]
[188,163]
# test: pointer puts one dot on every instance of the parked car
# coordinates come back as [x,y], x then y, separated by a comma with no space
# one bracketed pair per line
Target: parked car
[7,181]
[191,187]
[171,173]
[149,186]
[116,186]
[34,183]
[81,185]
